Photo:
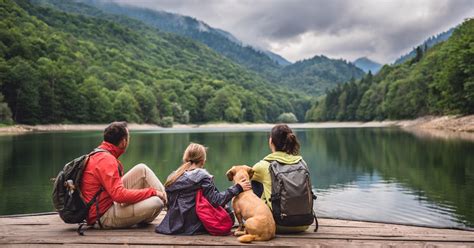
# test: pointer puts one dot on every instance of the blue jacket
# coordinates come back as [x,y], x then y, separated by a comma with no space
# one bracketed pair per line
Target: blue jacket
[181,217]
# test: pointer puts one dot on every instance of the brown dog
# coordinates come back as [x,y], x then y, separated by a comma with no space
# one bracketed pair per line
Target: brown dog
[259,223]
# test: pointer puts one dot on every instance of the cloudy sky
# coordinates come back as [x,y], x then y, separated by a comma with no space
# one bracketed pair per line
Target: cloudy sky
[297,29]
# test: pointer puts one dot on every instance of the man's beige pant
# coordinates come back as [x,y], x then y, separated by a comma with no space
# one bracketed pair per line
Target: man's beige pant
[122,215]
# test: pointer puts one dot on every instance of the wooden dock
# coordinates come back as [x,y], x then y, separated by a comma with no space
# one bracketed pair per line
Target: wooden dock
[48,231]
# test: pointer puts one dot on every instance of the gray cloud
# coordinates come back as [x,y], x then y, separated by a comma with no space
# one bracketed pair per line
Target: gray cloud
[298,29]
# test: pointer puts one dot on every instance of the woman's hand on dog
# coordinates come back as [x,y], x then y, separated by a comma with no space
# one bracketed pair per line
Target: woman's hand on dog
[245,184]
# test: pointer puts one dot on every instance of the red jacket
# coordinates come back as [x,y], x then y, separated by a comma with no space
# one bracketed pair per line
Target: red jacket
[103,170]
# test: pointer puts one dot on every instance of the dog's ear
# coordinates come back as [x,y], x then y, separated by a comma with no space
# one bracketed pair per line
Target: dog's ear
[250,172]
[230,173]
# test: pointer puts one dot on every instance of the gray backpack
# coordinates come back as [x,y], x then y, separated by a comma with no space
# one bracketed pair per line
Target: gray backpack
[292,196]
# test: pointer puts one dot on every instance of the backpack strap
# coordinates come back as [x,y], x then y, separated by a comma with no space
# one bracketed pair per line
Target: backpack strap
[97,150]
[118,168]
[98,215]
[315,222]
[314,198]
[79,230]
[94,199]
[270,161]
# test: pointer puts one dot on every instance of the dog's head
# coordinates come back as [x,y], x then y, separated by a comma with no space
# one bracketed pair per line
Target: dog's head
[239,172]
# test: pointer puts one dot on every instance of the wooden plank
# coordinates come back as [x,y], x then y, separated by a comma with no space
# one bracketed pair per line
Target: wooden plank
[323,234]
[49,230]
[69,230]
[63,228]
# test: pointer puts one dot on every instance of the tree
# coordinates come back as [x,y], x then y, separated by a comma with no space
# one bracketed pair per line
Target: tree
[287,118]
[99,106]
[418,54]
[166,121]
[5,113]
[225,105]
[202,94]
[74,105]
[252,108]
[49,75]
[21,91]
[233,113]
[148,105]
[317,111]
[126,107]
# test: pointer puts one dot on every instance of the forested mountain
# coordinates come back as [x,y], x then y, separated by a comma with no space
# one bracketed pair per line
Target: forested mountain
[430,42]
[58,67]
[367,65]
[69,62]
[317,77]
[318,74]
[220,41]
[435,82]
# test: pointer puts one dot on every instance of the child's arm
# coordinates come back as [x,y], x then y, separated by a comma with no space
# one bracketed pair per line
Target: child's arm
[215,197]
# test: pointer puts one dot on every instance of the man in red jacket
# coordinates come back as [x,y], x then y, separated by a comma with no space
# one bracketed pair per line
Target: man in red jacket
[135,198]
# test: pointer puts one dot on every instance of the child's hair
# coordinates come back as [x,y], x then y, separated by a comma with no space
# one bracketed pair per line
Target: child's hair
[285,140]
[194,154]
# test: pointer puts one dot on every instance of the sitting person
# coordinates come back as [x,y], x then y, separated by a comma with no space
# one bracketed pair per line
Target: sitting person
[181,188]
[135,198]
[285,150]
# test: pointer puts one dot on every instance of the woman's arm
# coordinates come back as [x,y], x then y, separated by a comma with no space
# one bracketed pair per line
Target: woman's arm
[215,197]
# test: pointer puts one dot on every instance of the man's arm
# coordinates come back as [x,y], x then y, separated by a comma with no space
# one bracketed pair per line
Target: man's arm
[110,180]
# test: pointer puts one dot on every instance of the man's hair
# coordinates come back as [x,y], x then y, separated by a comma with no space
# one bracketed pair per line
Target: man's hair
[116,132]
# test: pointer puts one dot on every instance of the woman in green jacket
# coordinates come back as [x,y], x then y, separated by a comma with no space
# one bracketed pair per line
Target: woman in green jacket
[286,150]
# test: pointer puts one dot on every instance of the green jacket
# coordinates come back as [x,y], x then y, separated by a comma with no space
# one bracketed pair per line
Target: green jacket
[262,175]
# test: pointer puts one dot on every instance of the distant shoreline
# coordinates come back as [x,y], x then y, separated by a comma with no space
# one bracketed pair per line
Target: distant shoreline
[443,123]
[182,127]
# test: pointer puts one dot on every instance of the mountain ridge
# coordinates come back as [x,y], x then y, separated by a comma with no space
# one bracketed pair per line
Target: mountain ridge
[428,43]
[367,65]
[260,63]
[326,72]
[219,40]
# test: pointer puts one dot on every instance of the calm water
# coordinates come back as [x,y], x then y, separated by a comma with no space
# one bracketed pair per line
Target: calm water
[377,174]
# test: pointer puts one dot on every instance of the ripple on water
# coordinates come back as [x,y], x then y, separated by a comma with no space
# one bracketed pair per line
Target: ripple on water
[374,199]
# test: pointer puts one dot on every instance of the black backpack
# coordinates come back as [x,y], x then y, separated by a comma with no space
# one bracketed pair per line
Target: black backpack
[67,196]
[292,196]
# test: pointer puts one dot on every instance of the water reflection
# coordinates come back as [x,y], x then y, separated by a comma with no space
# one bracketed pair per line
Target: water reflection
[400,168]
[378,174]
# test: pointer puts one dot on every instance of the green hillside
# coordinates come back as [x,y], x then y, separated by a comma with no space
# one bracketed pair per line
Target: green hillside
[318,74]
[219,41]
[58,67]
[438,81]
[313,76]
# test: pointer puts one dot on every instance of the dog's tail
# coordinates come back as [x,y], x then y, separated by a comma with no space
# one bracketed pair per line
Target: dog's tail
[247,238]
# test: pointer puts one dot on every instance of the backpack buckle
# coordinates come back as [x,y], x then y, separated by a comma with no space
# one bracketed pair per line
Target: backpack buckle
[80,231]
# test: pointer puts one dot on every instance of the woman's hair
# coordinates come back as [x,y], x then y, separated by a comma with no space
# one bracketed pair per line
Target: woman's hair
[193,155]
[285,140]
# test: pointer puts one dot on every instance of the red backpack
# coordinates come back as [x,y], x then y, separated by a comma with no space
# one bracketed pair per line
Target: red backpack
[216,220]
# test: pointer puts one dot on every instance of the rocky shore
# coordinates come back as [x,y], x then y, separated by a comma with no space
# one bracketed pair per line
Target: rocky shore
[447,123]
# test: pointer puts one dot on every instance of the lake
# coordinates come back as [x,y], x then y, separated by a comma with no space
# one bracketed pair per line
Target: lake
[375,174]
